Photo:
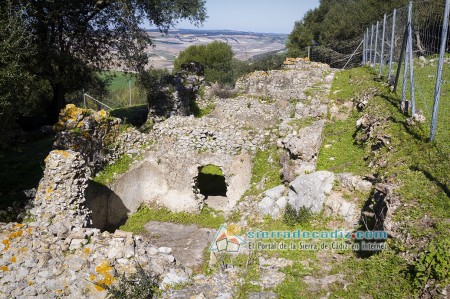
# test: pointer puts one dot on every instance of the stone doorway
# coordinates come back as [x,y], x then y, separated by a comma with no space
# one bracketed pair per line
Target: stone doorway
[211,181]
[212,185]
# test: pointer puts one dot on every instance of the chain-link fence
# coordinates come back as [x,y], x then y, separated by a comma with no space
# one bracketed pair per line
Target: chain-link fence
[410,48]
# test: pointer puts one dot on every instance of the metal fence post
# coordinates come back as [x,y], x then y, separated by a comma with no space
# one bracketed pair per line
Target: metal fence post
[391,54]
[400,60]
[405,71]
[364,49]
[376,45]
[437,92]
[382,45]
[367,44]
[411,61]
[371,45]
[84,99]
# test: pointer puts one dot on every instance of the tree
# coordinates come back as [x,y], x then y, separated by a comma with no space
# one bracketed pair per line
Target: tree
[75,38]
[300,38]
[337,26]
[216,57]
[19,89]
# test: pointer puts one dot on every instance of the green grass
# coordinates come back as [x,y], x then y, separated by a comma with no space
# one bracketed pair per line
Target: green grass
[425,84]
[265,171]
[419,169]
[22,168]
[201,112]
[119,90]
[211,169]
[107,175]
[119,80]
[206,218]
[341,153]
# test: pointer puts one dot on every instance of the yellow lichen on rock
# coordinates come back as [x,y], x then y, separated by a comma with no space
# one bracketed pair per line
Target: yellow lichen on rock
[65,154]
[104,270]
[101,115]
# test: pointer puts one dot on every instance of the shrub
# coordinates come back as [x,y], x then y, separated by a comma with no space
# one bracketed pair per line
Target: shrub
[216,57]
[433,265]
[292,217]
[140,285]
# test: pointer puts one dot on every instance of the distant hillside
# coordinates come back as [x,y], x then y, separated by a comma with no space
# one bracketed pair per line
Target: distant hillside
[246,45]
[215,32]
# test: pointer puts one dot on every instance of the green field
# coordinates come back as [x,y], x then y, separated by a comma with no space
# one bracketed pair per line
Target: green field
[119,80]
[119,90]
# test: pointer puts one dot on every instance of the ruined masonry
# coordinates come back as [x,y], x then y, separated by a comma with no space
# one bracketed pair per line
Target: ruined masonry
[65,249]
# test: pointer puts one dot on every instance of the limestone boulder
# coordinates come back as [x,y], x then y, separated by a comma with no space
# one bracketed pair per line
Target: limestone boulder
[310,190]
[274,203]
[337,205]
[306,144]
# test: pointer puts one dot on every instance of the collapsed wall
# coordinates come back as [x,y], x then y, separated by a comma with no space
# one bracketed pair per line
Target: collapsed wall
[58,253]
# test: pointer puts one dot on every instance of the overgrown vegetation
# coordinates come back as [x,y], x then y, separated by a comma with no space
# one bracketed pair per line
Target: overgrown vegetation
[292,216]
[206,218]
[215,57]
[199,112]
[140,285]
[417,268]
[211,170]
[109,173]
[265,171]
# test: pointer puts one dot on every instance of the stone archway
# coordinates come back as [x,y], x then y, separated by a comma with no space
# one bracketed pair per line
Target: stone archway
[211,181]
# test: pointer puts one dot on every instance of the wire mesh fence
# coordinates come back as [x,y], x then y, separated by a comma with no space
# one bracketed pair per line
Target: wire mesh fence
[410,48]
[344,55]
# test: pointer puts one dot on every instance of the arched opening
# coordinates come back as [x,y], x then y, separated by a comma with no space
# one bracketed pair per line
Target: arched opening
[211,181]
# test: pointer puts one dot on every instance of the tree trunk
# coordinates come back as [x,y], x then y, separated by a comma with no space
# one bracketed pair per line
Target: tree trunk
[58,102]
[419,44]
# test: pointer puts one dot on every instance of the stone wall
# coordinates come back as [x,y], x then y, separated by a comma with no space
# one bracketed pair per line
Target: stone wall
[174,97]
[290,83]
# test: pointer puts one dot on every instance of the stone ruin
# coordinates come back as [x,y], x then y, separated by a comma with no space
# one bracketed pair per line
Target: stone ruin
[175,94]
[70,246]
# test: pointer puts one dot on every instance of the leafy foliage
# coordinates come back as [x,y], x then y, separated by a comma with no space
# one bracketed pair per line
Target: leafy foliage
[434,263]
[216,57]
[153,82]
[72,39]
[337,25]
[140,285]
[20,92]
[292,217]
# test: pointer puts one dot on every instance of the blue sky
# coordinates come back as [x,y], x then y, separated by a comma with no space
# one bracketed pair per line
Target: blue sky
[268,16]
